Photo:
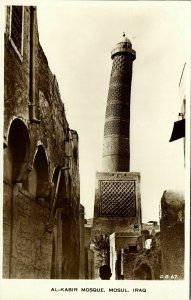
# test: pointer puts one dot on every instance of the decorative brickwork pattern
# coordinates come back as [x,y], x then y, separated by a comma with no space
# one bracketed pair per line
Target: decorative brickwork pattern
[121,78]
[117,94]
[110,147]
[116,127]
[117,198]
[121,62]
[117,110]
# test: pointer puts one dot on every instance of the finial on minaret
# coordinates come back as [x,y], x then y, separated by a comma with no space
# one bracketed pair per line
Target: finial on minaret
[123,33]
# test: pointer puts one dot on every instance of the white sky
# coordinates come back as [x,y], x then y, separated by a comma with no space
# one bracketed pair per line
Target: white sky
[77,38]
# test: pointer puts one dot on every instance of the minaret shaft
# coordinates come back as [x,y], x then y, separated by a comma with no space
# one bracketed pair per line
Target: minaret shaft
[116,147]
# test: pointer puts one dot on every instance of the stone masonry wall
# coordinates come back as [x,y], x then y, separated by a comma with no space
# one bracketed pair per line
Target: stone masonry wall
[31,243]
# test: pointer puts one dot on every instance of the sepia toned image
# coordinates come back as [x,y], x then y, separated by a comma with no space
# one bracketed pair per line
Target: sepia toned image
[95,141]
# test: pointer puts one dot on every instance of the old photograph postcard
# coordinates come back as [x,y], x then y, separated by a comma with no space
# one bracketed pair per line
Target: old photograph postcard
[95,120]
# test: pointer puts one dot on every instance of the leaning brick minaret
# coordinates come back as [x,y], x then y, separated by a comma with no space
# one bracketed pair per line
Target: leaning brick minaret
[117,208]
[117,199]
[116,148]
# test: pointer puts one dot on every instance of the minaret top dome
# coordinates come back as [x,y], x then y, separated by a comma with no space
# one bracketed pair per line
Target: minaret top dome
[125,39]
[123,47]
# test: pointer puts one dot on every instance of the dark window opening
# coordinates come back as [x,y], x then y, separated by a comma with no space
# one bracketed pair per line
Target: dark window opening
[16,26]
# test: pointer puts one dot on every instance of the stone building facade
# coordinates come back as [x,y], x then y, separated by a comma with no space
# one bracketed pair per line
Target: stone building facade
[41,207]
